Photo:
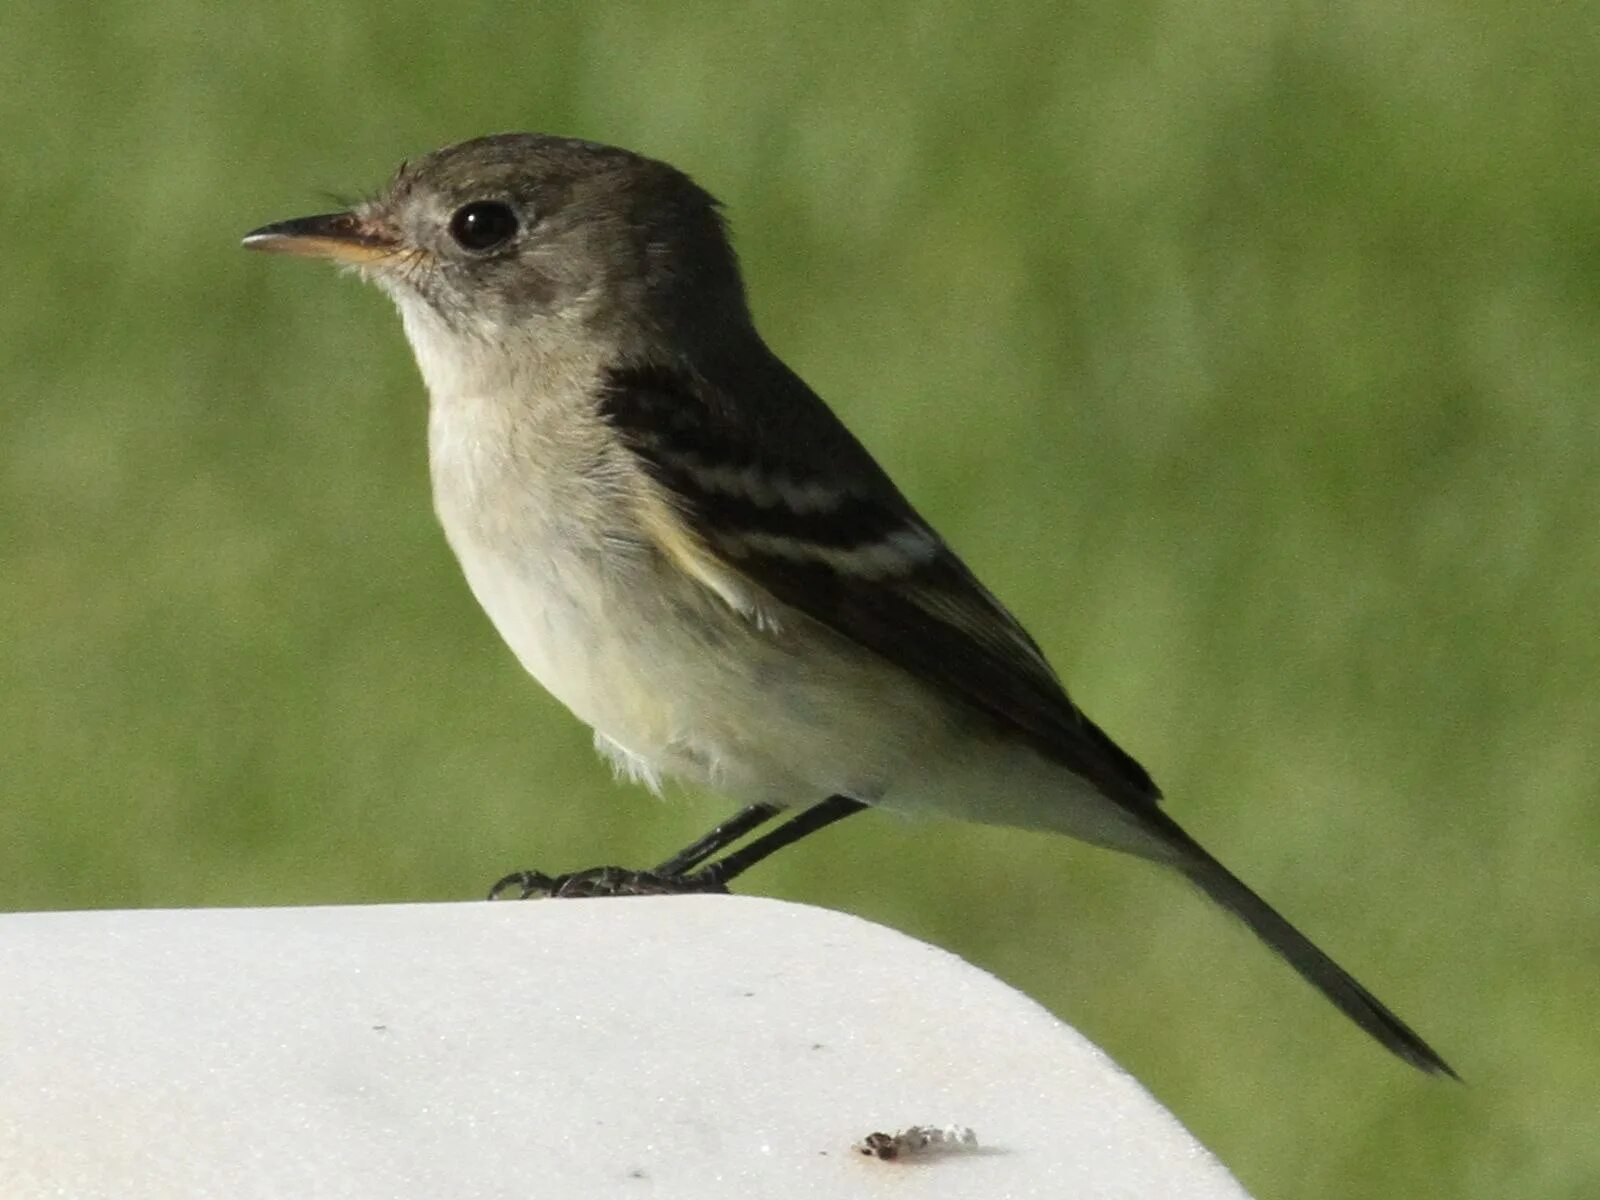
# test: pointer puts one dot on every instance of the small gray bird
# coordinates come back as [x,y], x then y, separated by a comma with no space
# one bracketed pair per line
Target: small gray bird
[681,541]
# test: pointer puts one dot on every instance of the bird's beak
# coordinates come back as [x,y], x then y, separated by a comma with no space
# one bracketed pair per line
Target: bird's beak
[342,236]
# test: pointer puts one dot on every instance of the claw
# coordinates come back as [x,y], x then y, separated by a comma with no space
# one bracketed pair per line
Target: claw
[529,885]
[602,881]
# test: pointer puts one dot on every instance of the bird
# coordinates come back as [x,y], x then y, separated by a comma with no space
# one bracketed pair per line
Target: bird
[683,543]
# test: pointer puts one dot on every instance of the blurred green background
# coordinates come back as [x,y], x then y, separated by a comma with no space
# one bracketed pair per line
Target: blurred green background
[1250,351]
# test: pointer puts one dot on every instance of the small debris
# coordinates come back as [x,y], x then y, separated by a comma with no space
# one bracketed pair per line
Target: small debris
[918,1139]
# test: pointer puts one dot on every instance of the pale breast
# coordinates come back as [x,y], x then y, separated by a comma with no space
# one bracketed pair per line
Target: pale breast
[680,674]
[528,511]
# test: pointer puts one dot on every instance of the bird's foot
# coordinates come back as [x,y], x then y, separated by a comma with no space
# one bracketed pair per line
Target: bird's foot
[600,881]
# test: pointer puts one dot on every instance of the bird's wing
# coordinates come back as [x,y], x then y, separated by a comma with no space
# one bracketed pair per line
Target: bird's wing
[793,503]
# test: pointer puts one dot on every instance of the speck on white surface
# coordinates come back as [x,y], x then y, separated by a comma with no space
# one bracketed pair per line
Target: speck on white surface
[655,1047]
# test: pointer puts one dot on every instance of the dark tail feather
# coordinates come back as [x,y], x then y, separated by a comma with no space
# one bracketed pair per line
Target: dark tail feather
[1327,976]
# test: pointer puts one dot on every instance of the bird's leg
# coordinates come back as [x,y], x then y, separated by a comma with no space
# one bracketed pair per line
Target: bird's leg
[615,881]
[723,836]
[717,876]
[672,876]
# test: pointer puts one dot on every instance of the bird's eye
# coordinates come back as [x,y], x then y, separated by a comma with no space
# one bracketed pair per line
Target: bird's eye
[483,225]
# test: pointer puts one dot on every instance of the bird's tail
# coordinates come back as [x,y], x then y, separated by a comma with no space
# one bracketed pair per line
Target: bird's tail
[1327,976]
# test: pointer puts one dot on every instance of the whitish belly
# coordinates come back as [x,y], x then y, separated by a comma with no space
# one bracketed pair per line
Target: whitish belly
[676,684]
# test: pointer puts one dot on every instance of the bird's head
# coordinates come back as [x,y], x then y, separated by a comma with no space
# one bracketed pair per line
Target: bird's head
[515,237]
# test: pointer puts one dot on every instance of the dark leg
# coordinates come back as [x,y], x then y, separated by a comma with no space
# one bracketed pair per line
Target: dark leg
[818,816]
[615,881]
[724,835]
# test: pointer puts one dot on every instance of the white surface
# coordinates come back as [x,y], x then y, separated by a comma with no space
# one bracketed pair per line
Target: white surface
[693,1046]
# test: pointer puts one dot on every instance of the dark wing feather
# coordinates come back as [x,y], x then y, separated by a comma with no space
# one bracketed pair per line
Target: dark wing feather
[788,502]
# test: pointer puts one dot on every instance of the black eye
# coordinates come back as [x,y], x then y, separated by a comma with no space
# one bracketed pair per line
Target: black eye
[483,225]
